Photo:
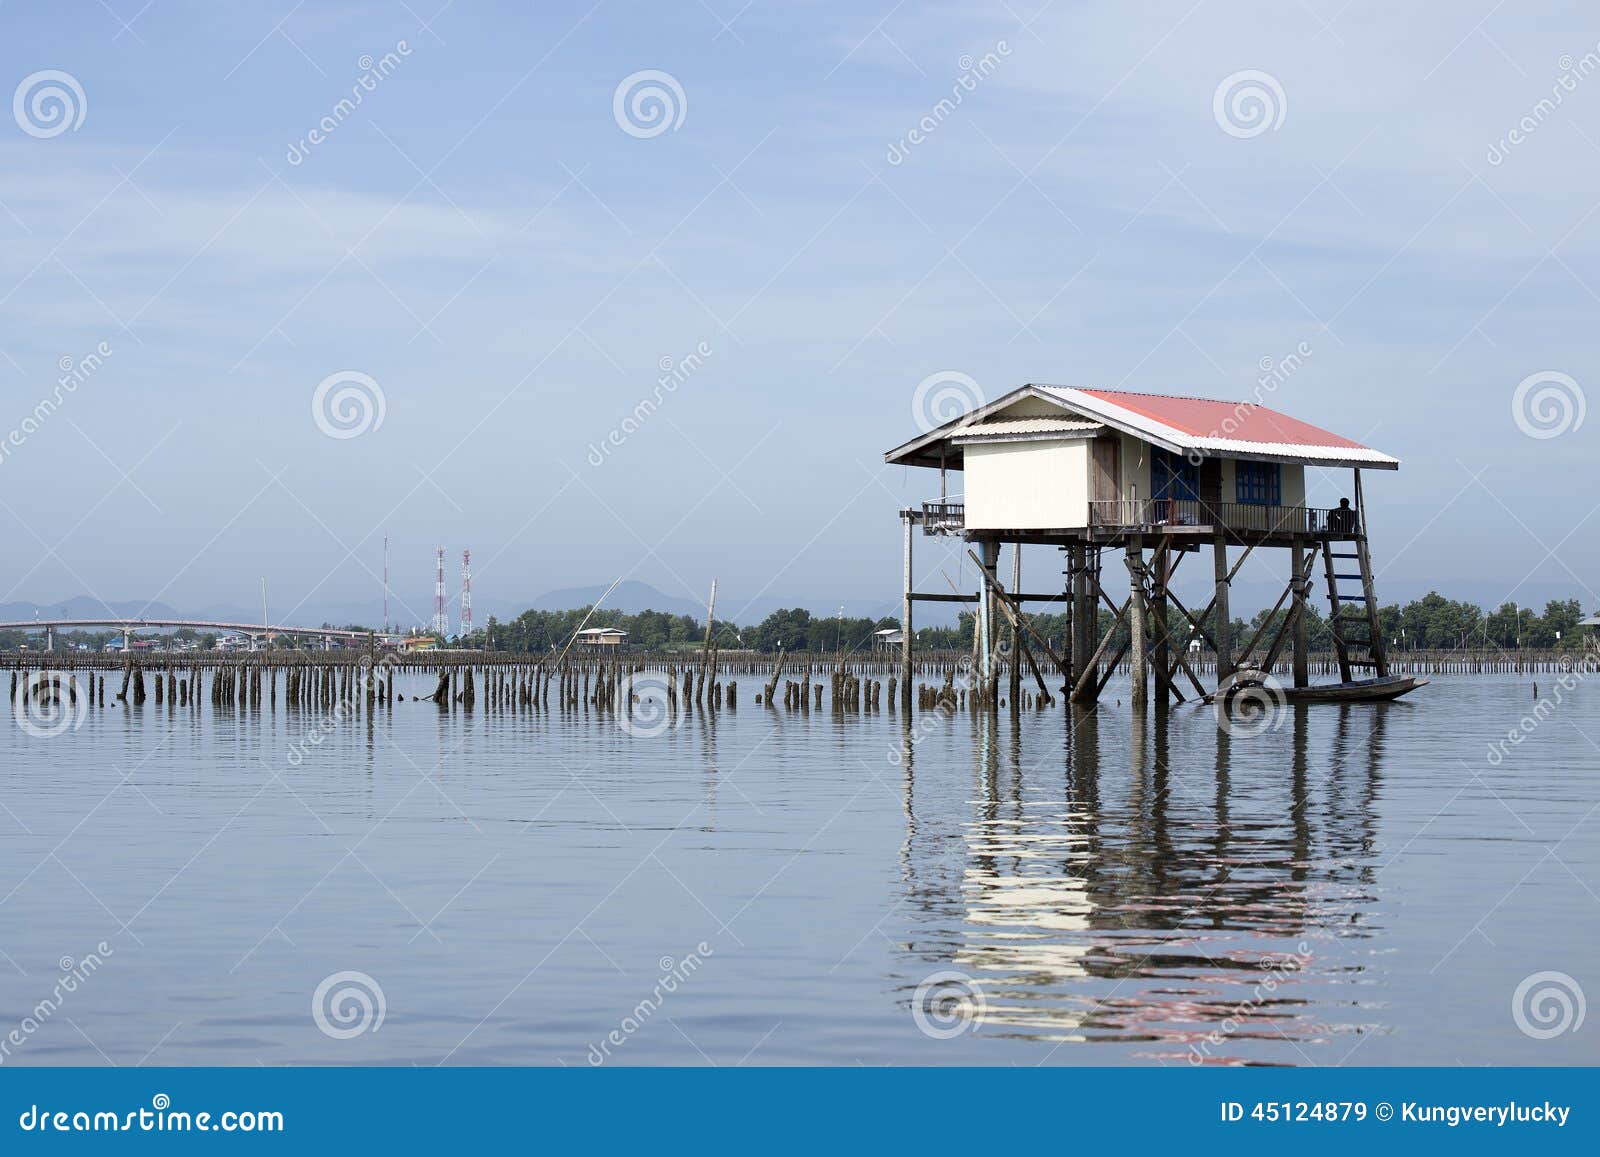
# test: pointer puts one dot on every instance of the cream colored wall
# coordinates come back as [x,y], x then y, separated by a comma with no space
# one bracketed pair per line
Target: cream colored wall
[1045,484]
[1135,467]
[1026,485]
[1032,408]
[1294,485]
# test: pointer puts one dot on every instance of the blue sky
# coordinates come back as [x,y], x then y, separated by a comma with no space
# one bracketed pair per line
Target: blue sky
[483,240]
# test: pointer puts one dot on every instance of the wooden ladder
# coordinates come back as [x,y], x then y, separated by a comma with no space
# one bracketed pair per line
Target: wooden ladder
[1375,656]
[1339,622]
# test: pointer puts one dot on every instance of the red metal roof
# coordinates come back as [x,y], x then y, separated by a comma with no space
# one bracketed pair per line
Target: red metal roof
[1242,421]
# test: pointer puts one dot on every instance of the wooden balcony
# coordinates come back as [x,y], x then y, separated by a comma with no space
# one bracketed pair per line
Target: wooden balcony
[944,517]
[1119,517]
[1178,514]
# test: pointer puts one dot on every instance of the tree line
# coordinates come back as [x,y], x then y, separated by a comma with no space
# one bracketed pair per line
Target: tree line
[1432,622]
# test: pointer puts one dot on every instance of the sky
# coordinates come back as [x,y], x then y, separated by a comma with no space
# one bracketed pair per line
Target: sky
[433,313]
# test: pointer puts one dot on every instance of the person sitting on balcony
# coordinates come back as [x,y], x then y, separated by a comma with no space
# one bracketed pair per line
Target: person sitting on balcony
[1342,520]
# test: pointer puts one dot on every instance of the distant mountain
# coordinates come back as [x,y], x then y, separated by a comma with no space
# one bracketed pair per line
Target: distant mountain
[84,607]
[630,597]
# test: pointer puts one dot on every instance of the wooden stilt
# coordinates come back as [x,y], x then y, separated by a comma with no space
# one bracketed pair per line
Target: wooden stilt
[1087,688]
[1165,650]
[1301,662]
[1222,629]
[1015,673]
[1085,612]
[1076,587]
[1159,572]
[988,659]
[905,615]
[1012,609]
[1137,672]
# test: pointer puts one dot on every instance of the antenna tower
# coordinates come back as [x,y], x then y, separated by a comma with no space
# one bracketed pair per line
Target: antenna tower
[441,617]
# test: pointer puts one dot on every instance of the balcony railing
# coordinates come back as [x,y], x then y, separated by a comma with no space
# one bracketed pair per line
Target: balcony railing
[947,517]
[1240,516]
[944,517]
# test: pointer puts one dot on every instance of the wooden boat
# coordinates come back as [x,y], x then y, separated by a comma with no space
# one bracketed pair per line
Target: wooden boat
[1357,690]
[1376,690]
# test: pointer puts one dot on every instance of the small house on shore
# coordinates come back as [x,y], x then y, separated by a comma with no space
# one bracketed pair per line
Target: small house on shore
[888,639]
[601,638]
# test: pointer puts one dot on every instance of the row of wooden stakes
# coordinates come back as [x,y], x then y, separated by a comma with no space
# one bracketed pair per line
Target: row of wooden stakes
[350,686]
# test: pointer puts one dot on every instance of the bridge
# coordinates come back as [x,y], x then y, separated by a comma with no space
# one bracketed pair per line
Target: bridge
[128,626]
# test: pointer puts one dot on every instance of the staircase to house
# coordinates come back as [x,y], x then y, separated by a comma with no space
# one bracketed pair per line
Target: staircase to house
[1353,616]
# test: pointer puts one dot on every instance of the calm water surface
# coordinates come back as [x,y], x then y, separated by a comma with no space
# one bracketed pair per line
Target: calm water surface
[1361,885]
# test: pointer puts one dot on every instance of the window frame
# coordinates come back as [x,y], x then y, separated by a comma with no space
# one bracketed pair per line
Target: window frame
[1174,476]
[1258,483]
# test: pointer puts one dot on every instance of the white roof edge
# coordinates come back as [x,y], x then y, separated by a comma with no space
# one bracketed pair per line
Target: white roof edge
[1171,438]
[1152,430]
[972,416]
[993,429]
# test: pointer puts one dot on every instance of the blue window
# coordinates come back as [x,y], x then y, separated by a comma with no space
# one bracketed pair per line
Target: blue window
[1258,483]
[1174,476]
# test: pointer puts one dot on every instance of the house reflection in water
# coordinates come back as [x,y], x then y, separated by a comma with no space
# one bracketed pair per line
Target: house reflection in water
[1160,883]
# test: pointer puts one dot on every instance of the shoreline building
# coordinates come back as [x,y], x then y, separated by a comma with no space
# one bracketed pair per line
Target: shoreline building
[601,638]
[1089,471]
